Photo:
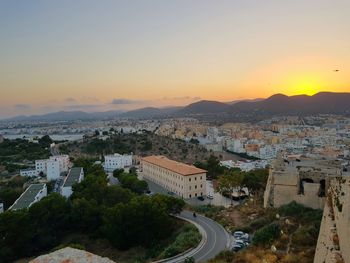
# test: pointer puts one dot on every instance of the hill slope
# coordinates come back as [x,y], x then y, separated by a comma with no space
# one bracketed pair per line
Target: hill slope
[320,103]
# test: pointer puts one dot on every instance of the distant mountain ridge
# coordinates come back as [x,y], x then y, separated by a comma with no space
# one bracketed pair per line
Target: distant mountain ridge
[278,104]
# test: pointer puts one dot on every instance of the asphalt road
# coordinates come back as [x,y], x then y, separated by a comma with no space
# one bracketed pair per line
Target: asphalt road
[217,239]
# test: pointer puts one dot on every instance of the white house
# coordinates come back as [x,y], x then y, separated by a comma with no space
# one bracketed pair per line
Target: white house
[34,193]
[28,172]
[53,170]
[117,161]
[53,167]
[40,166]
[75,176]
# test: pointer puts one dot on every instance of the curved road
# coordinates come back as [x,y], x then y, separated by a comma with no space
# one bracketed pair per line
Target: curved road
[216,238]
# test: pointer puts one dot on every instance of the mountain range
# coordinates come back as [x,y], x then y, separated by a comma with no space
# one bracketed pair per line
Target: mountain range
[279,104]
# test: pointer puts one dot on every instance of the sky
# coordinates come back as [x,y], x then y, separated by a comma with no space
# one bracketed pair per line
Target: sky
[120,55]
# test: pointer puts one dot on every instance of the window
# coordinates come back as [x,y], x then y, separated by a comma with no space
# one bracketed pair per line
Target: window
[195,187]
[195,194]
[189,179]
[195,178]
[190,196]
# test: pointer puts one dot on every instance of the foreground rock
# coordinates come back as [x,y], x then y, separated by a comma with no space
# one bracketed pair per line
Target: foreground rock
[70,255]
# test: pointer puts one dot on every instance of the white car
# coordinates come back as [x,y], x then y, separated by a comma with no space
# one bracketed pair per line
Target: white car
[209,196]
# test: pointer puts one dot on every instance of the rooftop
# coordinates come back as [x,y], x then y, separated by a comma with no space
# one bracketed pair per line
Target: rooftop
[177,167]
[27,197]
[72,177]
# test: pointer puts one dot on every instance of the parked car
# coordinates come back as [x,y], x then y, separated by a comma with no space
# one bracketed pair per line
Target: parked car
[241,242]
[209,196]
[238,234]
[237,247]
[245,237]
[201,198]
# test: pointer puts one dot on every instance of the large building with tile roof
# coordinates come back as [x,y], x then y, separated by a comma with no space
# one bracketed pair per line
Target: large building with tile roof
[186,181]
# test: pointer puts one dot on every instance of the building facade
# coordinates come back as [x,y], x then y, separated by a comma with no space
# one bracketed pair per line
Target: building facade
[53,167]
[117,161]
[184,180]
[300,179]
[75,176]
[28,172]
[34,193]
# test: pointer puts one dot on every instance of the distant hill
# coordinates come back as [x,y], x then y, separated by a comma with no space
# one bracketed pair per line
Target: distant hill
[279,104]
[67,116]
[204,107]
[244,100]
[150,112]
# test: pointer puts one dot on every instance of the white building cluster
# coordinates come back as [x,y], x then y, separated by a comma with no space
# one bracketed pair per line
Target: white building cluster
[245,166]
[117,161]
[52,168]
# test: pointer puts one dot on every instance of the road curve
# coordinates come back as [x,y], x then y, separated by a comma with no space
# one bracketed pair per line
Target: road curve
[216,238]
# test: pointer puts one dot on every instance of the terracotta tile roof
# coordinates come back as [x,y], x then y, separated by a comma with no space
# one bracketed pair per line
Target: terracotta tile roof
[177,167]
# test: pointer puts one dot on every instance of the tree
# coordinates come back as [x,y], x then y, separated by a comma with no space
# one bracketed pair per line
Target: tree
[213,167]
[92,187]
[86,215]
[9,195]
[16,232]
[266,234]
[118,172]
[171,204]
[45,141]
[194,141]
[131,182]
[139,222]
[50,220]
[228,183]
[255,180]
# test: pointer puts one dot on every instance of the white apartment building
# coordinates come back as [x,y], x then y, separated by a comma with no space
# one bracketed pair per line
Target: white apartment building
[53,167]
[34,193]
[75,176]
[212,134]
[184,180]
[236,145]
[40,166]
[28,172]
[117,161]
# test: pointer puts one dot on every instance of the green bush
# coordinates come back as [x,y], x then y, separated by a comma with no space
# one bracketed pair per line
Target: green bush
[188,238]
[266,234]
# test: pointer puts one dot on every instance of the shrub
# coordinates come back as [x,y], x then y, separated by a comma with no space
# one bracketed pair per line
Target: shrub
[266,234]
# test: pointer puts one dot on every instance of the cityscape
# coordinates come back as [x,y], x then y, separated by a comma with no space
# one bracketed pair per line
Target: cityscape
[175,131]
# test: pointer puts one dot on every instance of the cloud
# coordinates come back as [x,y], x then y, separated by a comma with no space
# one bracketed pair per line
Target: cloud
[70,100]
[83,106]
[126,101]
[23,106]
[181,98]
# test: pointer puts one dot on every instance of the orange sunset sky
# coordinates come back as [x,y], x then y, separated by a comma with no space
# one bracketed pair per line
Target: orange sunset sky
[106,55]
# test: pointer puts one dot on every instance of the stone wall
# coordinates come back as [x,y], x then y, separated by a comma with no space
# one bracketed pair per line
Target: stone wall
[333,245]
